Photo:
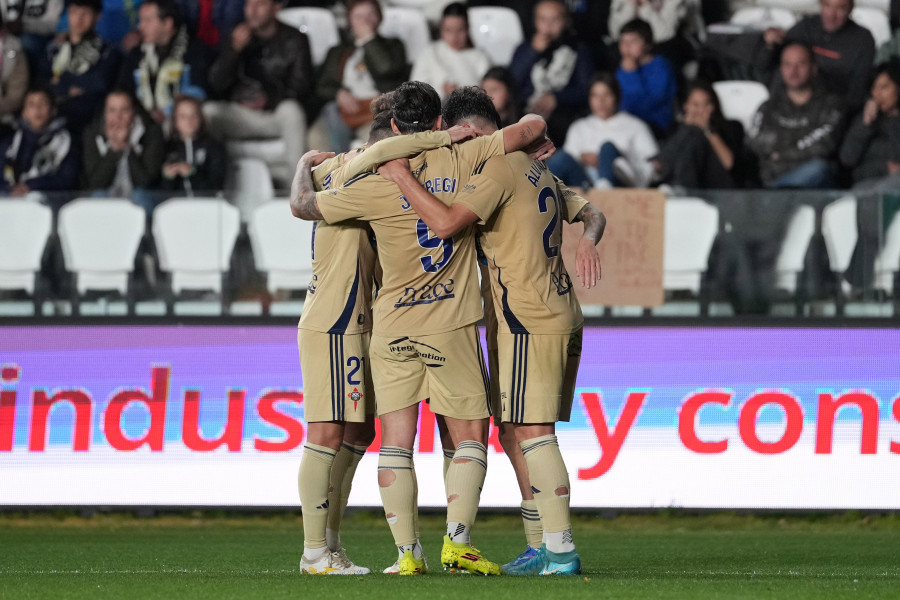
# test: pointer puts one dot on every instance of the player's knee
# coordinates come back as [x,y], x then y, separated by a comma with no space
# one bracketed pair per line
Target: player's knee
[386,478]
[562,491]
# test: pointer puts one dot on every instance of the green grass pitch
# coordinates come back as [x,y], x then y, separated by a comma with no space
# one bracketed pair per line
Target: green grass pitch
[199,556]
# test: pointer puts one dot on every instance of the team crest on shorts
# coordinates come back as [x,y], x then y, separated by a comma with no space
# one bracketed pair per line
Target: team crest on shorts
[356,396]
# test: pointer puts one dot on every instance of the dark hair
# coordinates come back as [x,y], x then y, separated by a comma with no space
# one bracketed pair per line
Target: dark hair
[610,81]
[166,9]
[95,5]
[181,99]
[127,94]
[351,4]
[891,68]
[639,27]
[382,108]
[560,3]
[716,119]
[468,102]
[416,107]
[46,91]
[514,105]
[382,103]
[808,49]
[458,9]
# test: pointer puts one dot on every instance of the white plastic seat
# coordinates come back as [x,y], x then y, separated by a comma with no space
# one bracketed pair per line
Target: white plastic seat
[690,229]
[282,246]
[875,20]
[409,26]
[248,185]
[887,263]
[25,227]
[430,9]
[762,17]
[318,24]
[194,239]
[839,230]
[741,100]
[791,257]
[100,239]
[497,31]
[800,7]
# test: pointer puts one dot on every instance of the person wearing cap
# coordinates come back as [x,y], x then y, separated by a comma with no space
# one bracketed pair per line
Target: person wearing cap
[83,65]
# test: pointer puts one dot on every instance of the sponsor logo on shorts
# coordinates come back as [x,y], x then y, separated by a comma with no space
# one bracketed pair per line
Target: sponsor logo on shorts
[429,354]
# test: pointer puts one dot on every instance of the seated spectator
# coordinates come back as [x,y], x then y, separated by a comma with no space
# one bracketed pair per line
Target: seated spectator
[35,22]
[211,21]
[796,131]
[264,77]
[13,77]
[40,155]
[451,61]
[123,152]
[355,71]
[667,19]
[194,161]
[705,150]
[166,64]
[553,70]
[648,82]
[844,51]
[608,148]
[499,85]
[871,148]
[84,67]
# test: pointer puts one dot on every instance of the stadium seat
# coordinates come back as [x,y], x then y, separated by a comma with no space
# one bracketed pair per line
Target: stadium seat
[431,9]
[791,258]
[884,5]
[409,26]
[762,17]
[282,246]
[497,31]
[318,24]
[248,184]
[741,99]
[800,7]
[839,231]
[195,238]
[875,20]
[887,263]
[25,227]
[691,227]
[100,239]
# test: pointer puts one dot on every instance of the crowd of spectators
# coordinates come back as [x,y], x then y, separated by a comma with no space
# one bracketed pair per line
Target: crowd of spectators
[140,98]
[609,77]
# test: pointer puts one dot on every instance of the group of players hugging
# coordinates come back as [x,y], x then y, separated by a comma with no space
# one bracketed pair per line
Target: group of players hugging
[401,229]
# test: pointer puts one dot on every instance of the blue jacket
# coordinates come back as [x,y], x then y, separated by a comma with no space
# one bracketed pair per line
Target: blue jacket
[648,93]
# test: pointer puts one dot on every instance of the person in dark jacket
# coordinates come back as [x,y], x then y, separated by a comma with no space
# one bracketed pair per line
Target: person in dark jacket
[361,67]
[872,149]
[844,51]
[798,129]
[194,161]
[553,70]
[166,64]
[123,152]
[263,79]
[40,155]
[84,66]
[705,151]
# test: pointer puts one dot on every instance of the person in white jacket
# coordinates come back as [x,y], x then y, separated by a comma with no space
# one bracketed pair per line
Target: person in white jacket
[451,61]
[609,147]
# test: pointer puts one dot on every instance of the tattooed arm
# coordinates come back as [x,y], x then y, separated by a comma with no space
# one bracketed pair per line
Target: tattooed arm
[587,259]
[303,190]
[528,133]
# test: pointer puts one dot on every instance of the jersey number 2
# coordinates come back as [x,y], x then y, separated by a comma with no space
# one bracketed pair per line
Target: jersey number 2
[544,196]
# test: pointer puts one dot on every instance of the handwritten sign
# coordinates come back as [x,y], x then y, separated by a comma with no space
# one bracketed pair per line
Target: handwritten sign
[631,251]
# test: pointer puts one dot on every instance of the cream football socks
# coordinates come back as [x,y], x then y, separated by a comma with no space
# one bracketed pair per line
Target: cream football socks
[465,478]
[342,472]
[550,484]
[315,473]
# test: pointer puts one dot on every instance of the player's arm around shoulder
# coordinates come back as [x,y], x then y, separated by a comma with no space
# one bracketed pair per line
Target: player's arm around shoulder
[303,190]
[587,259]
[443,220]
[401,146]
[528,135]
